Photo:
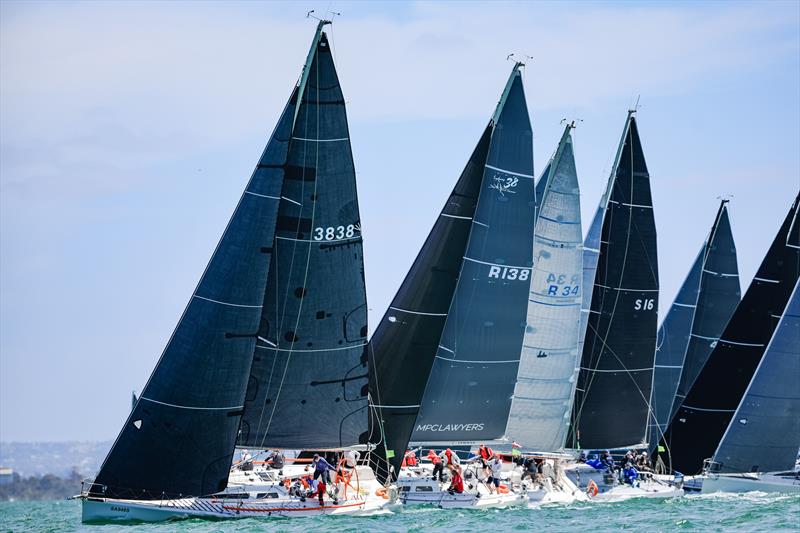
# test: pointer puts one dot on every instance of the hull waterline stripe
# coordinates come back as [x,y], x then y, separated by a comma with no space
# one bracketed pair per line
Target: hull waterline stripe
[194,408]
[226,303]
[504,171]
[290,509]
[416,312]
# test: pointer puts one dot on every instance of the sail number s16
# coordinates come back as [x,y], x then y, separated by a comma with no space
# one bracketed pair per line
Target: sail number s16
[330,233]
[646,305]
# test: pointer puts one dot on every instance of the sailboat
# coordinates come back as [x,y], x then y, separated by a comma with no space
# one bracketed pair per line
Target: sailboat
[694,323]
[702,418]
[448,347]
[271,349]
[619,319]
[759,447]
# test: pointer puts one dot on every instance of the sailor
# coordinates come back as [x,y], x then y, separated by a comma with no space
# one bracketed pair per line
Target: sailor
[450,458]
[583,458]
[246,461]
[607,461]
[438,465]
[630,475]
[528,469]
[351,459]
[322,468]
[643,462]
[410,458]
[496,464]
[485,452]
[630,457]
[276,460]
[457,482]
[516,453]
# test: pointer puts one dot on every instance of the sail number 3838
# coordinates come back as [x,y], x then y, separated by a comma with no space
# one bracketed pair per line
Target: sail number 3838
[330,233]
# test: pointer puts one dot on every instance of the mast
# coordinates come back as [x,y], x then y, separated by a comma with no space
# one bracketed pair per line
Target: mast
[308,381]
[468,394]
[703,416]
[613,392]
[702,308]
[764,433]
[542,401]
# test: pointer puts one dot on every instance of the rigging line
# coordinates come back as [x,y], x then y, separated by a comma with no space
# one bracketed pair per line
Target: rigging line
[308,255]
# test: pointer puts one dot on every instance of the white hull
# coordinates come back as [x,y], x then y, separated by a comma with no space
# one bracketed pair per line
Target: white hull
[770,482]
[420,490]
[610,489]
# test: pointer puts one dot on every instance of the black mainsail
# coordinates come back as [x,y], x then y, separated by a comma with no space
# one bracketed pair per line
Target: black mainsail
[613,392]
[180,436]
[701,420]
[310,362]
[702,308]
[469,390]
[764,434]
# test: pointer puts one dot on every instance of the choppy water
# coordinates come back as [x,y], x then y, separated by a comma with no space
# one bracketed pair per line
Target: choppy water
[743,512]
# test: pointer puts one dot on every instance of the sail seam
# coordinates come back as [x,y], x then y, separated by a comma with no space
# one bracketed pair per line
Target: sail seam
[227,303]
[558,221]
[317,350]
[495,264]
[721,274]
[417,312]
[618,370]
[455,216]
[767,280]
[477,362]
[702,337]
[630,205]
[508,171]
[624,289]
[295,202]
[396,406]
[709,410]
[262,195]
[320,242]
[684,305]
[191,407]
[741,343]
[321,140]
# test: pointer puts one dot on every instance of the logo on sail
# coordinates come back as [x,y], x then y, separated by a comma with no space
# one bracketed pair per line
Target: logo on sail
[450,427]
[504,185]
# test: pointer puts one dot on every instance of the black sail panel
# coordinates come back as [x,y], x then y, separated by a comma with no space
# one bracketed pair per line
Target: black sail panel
[405,342]
[310,366]
[764,434]
[701,420]
[469,390]
[613,392]
[179,438]
[720,293]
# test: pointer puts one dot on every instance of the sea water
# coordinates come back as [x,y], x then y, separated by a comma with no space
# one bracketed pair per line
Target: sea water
[716,512]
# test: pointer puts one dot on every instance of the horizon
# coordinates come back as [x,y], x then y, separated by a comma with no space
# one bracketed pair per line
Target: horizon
[129,130]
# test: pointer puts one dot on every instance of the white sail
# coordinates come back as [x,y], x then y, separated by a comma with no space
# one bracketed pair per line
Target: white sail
[542,402]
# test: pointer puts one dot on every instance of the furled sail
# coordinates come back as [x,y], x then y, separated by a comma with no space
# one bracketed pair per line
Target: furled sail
[405,342]
[308,382]
[613,392]
[702,308]
[701,420]
[764,434]
[179,437]
[468,394]
[542,402]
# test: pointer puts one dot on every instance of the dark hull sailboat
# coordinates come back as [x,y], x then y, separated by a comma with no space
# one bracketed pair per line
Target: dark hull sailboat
[702,308]
[273,339]
[437,324]
[613,393]
[705,413]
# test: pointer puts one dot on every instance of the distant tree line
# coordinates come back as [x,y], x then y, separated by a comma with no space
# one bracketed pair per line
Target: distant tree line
[46,487]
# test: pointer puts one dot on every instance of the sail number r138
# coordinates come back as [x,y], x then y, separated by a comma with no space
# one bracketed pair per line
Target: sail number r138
[509,273]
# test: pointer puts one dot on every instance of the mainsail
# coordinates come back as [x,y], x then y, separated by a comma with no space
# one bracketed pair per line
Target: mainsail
[310,364]
[179,437]
[542,402]
[613,392]
[764,434]
[704,304]
[468,394]
[701,420]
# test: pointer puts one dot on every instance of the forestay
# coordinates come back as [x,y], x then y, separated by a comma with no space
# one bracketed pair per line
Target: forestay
[308,382]
[613,392]
[764,434]
[542,402]
[701,420]
[704,304]
[468,394]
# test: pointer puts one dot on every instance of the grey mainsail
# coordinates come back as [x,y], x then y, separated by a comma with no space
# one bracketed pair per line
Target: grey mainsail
[764,433]
[310,362]
[468,394]
[704,304]
[542,401]
[613,392]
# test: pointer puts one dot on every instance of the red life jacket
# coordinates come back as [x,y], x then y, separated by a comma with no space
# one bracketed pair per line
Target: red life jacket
[449,455]
[457,483]
[410,458]
[434,458]
[486,452]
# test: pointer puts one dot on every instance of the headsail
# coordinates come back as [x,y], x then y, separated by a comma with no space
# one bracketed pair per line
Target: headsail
[180,435]
[613,393]
[764,434]
[542,402]
[469,390]
[700,421]
[310,364]
[704,304]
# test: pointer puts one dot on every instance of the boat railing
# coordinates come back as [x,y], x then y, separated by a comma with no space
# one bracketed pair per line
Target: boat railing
[90,489]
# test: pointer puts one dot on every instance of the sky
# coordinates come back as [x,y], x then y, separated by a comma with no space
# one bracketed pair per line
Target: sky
[129,130]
